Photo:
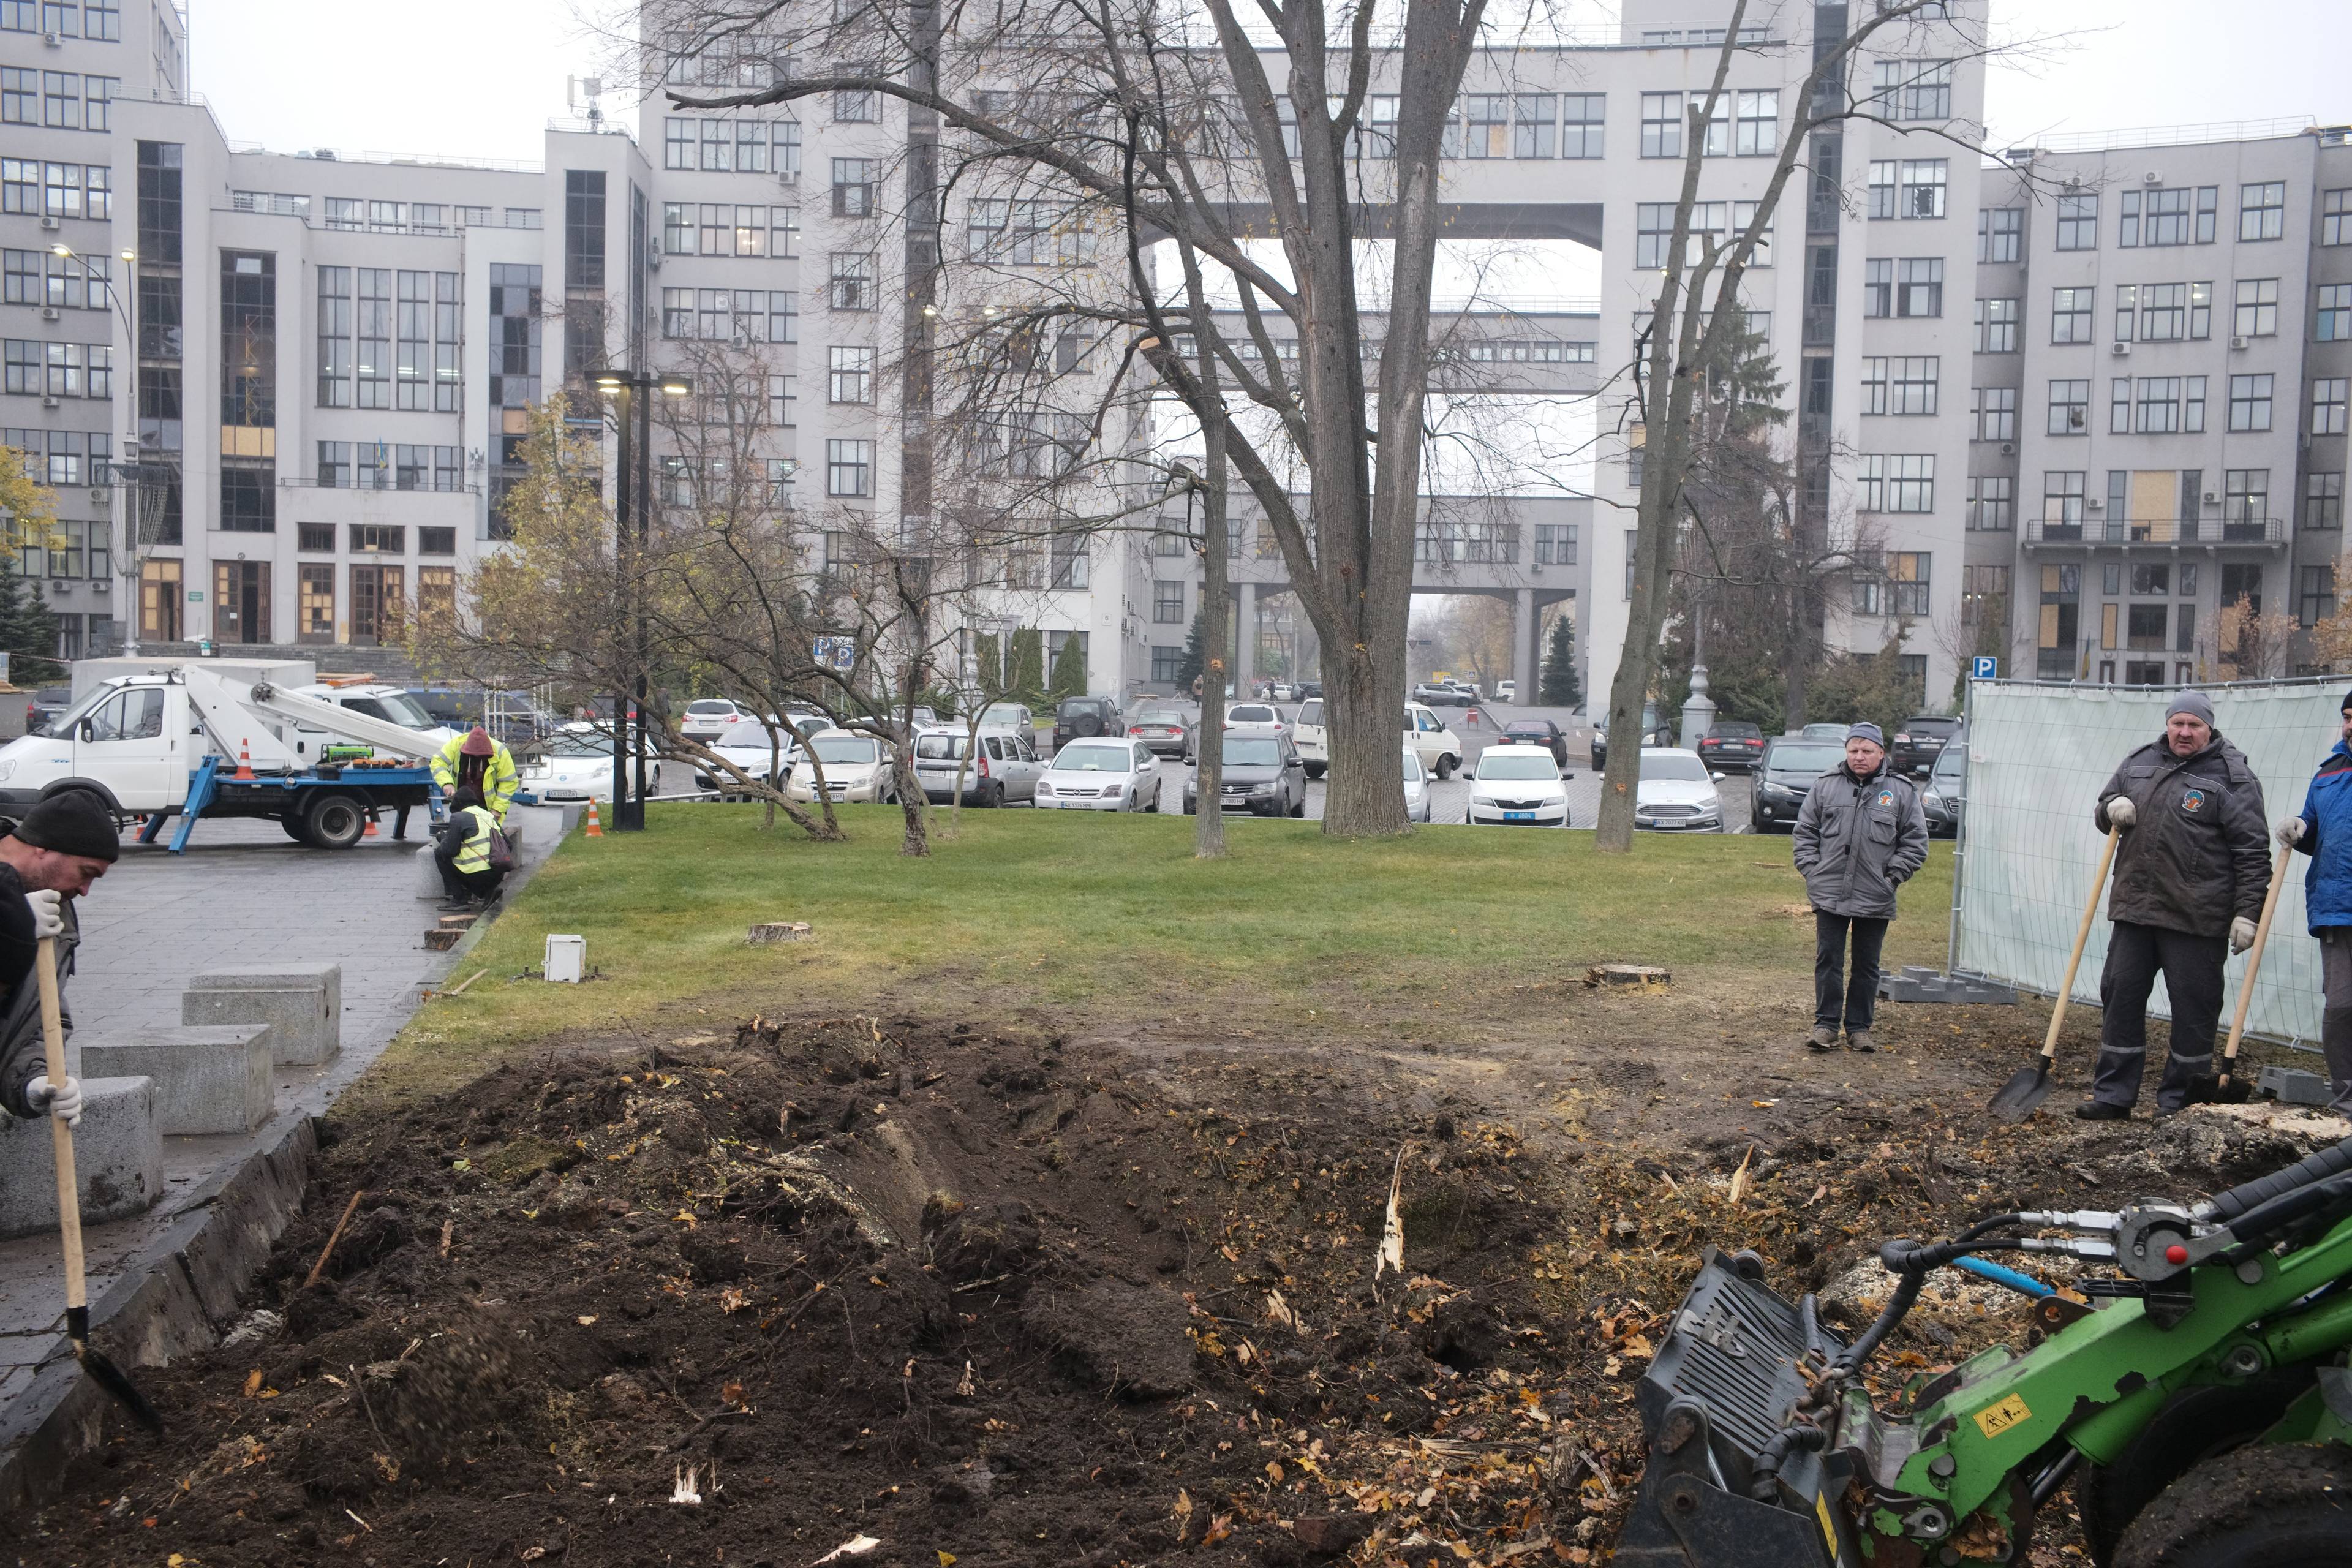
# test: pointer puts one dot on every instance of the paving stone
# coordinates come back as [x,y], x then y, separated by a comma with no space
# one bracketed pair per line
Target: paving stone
[302,1003]
[117,1159]
[209,1077]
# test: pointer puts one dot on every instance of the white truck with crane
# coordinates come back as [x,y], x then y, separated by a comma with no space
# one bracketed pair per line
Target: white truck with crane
[196,738]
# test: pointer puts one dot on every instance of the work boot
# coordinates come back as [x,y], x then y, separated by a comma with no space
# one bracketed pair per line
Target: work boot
[2100,1111]
[456,906]
[1860,1040]
[1823,1039]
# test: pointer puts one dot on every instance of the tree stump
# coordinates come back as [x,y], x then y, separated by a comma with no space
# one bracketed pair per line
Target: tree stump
[778,931]
[1636,974]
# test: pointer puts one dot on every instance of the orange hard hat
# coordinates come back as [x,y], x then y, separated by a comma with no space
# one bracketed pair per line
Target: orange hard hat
[478,744]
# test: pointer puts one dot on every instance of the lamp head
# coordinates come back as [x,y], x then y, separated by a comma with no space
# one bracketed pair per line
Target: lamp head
[677,385]
[66,250]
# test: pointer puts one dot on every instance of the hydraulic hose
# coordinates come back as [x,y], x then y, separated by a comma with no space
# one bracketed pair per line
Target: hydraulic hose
[1765,1474]
[2227,1207]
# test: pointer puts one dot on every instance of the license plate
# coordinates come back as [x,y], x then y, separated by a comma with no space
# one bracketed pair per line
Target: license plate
[1518,816]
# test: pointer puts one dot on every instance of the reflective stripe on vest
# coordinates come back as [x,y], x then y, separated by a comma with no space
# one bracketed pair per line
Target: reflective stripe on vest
[474,855]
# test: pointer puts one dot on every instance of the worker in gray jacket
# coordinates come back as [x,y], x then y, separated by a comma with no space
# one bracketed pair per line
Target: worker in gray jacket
[1861,834]
[2192,868]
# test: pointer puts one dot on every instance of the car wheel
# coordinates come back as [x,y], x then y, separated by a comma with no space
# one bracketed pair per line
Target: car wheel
[1447,766]
[994,798]
[1315,770]
[1298,806]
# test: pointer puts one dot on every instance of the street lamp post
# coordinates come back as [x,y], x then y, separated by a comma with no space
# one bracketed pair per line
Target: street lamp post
[634,471]
[121,489]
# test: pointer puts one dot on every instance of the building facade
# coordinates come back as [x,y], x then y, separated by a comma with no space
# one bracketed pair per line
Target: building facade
[2065,408]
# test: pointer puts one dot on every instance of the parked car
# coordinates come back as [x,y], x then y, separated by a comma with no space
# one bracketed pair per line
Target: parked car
[576,765]
[1506,691]
[1283,691]
[518,718]
[1164,727]
[1426,734]
[1790,765]
[1438,694]
[1263,775]
[1656,732]
[1307,733]
[1104,774]
[707,716]
[1004,770]
[1732,744]
[1824,733]
[1946,798]
[1416,787]
[748,745]
[1536,732]
[1677,794]
[1309,688]
[1517,787]
[44,707]
[856,769]
[1254,719]
[1920,741]
[389,704]
[1083,717]
[1015,717]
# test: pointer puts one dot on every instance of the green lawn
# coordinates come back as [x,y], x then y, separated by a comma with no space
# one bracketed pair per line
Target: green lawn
[1081,922]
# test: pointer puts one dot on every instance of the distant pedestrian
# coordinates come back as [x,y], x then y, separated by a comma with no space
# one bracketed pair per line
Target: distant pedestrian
[2191,872]
[1861,834]
[2324,832]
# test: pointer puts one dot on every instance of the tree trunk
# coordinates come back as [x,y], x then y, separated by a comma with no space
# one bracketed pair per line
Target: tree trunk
[1216,597]
[911,799]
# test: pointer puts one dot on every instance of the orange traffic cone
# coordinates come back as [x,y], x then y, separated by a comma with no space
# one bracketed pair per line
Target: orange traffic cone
[595,827]
[371,826]
[244,773]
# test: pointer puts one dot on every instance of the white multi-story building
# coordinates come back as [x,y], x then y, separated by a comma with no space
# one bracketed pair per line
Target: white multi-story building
[2093,402]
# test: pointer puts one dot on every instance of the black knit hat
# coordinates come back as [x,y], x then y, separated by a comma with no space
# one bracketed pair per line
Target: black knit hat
[2346,707]
[73,822]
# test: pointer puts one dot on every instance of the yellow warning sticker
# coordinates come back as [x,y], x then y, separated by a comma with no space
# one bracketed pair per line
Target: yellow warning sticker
[1828,1527]
[1995,1419]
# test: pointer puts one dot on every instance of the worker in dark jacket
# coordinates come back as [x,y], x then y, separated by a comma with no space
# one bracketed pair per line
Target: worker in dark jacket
[2191,872]
[1861,834]
[63,845]
[2324,832]
[462,851]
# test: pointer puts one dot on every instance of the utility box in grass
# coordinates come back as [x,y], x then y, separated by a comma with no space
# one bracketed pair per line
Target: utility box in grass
[567,959]
[302,1003]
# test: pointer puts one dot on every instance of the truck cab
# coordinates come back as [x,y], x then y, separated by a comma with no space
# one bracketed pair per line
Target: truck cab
[133,741]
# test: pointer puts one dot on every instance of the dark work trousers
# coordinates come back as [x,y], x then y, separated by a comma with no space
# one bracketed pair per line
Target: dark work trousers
[2191,966]
[457,884]
[1833,993]
[2335,1017]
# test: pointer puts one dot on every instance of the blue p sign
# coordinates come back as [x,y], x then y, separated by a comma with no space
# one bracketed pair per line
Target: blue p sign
[1984,666]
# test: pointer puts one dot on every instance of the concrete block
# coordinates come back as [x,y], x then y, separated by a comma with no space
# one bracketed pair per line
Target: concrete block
[209,1077]
[117,1159]
[302,1003]
[428,875]
[2292,1086]
[1917,982]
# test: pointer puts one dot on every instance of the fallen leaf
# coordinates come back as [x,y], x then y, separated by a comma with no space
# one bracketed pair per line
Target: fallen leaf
[588,1321]
[855,1546]
[253,1383]
[947,1560]
[1739,1176]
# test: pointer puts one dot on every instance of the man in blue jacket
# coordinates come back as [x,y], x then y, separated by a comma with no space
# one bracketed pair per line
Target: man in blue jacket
[2324,832]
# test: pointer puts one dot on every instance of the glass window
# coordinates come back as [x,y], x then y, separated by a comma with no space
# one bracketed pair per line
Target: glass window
[849,468]
[2257,309]
[2331,320]
[1992,413]
[2070,408]
[2262,210]
[2327,396]
[2250,402]
[2245,495]
[1580,124]
[2077,221]
[2001,233]
[2070,315]
[2314,595]
[1996,323]
[1993,502]
[1896,483]
[1534,120]
[849,374]
[1662,125]
[1920,286]
[2323,501]
[1912,90]
[1878,286]
[1756,124]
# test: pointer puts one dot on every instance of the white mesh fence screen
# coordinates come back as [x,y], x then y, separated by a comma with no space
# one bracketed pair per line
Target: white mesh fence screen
[2037,757]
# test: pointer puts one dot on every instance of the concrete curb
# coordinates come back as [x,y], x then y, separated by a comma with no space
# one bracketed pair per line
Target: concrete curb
[180,1293]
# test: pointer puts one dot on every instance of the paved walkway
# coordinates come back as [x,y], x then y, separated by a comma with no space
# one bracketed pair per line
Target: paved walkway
[243,893]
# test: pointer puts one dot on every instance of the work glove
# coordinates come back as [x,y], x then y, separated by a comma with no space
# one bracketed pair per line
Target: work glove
[2121,812]
[2290,833]
[65,1104]
[48,913]
[2242,934]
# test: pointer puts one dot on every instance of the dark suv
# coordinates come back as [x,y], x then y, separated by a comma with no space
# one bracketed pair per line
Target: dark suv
[1920,741]
[1085,718]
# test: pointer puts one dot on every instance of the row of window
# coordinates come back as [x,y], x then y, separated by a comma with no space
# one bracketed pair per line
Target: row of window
[60,282]
[732,146]
[55,370]
[2159,312]
[1895,584]
[61,457]
[373,539]
[1712,223]
[2158,216]
[97,20]
[2142,406]
[712,229]
[377,609]
[389,465]
[353,214]
[57,190]
[61,100]
[732,315]
[1993,498]
[390,338]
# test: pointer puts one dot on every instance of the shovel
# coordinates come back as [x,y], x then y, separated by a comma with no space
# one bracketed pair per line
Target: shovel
[2229,1089]
[2031,1085]
[102,1372]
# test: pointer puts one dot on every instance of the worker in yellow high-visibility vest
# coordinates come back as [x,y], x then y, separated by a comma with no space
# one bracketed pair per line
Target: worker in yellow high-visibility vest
[475,759]
[461,851]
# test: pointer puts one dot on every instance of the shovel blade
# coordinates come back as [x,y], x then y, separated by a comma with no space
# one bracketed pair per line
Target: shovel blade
[2027,1088]
[2236,1089]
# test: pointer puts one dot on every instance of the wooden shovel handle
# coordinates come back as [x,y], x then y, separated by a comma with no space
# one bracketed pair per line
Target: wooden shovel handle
[2082,936]
[53,1038]
[2254,959]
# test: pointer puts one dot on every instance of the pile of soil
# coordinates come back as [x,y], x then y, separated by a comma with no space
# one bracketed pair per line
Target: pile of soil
[927,1296]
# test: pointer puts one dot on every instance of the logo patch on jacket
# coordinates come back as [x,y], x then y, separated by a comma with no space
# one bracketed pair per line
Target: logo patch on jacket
[1887,797]
[2193,802]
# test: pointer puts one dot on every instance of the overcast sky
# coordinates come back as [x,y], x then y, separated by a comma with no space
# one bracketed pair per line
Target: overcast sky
[480,78]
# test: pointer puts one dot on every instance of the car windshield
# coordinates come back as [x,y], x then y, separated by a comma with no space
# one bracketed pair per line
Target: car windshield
[1951,763]
[1809,760]
[1311,711]
[1663,766]
[1824,732]
[398,706]
[1936,727]
[1520,763]
[944,747]
[750,732]
[1413,769]
[1250,713]
[1000,713]
[834,749]
[1161,716]
[1079,758]
[1253,752]
[1531,732]
[709,707]
[581,743]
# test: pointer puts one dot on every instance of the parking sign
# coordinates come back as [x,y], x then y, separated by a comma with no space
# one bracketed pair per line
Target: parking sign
[1984,666]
